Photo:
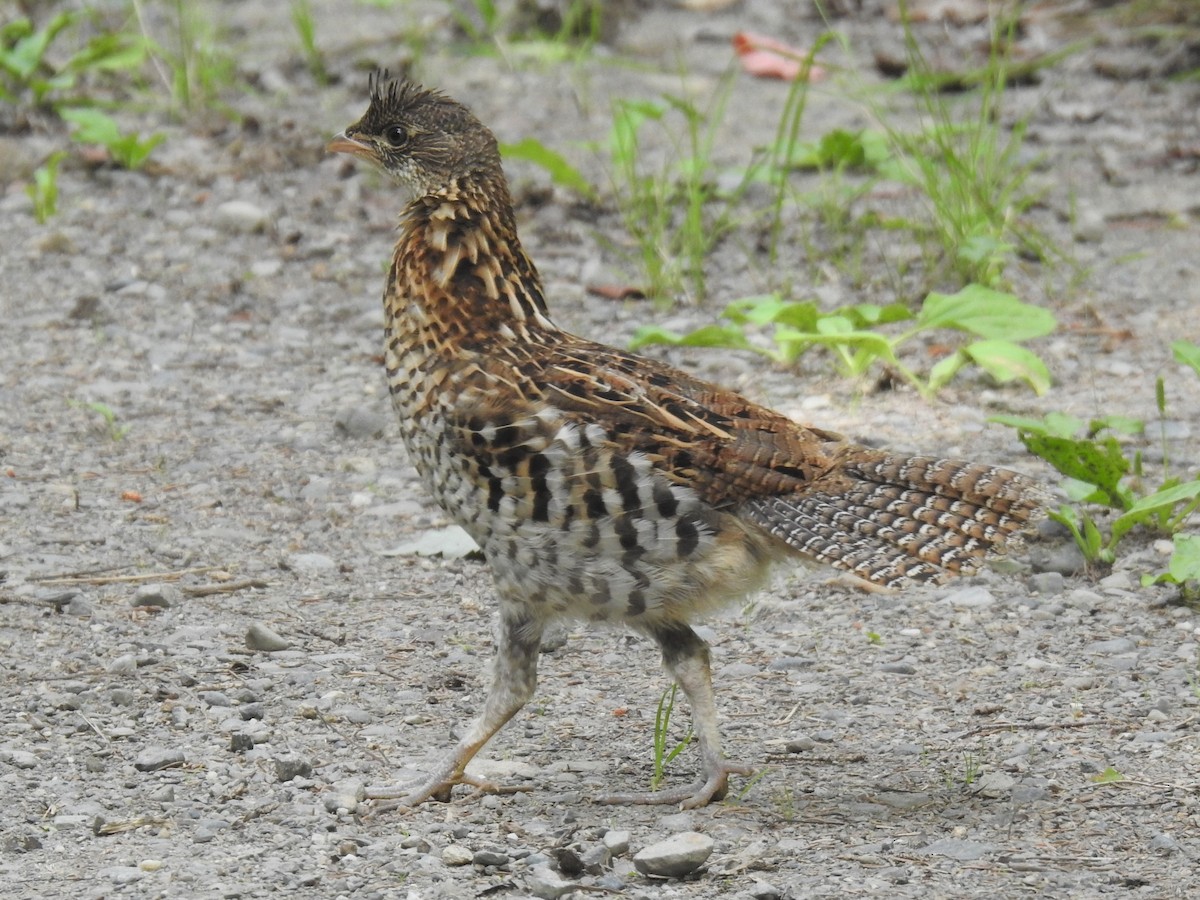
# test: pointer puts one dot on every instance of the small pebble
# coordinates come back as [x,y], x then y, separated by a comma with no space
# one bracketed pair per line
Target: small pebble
[260,637]
[490,858]
[153,759]
[617,842]
[970,598]
[125,664]
[675,857]
[1114,646]
[800,744]
[207,829]
[162,596]
[19,759]
[543,882]
[457,855]
[122,874]
[241,217]
[287,768]
[1047,584]
[762,890]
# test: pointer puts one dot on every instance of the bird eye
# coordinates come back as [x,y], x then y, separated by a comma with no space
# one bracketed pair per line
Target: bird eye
[396,135]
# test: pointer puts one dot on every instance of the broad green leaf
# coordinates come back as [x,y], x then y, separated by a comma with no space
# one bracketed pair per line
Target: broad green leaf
[1165,499]
[707,336]
[770,308]
[93,126]
[1119,424]
[870,314]
[1006,361]
[986,313]
[1055,424]
[1188,354]
[945,370]
[1185,560]
[1101,463]
[555,164]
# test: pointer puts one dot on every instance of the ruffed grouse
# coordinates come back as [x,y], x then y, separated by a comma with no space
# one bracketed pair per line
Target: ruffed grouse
[605,486]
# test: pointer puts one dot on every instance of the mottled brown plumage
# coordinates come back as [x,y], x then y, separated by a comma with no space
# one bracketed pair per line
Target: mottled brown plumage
[603,485]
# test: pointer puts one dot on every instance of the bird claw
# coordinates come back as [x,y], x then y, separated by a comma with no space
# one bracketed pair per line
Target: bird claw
[438,789]
[714,786]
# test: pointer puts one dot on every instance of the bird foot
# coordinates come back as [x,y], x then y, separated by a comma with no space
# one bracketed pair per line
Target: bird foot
[712,787]
[436,788]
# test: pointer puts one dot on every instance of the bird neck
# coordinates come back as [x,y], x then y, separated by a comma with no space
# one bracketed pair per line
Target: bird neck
[459,269]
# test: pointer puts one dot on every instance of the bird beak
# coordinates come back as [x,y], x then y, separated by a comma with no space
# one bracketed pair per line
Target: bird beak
[343,143]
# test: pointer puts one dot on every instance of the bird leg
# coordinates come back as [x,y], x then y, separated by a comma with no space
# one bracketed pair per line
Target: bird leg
[686,658]
[513,681]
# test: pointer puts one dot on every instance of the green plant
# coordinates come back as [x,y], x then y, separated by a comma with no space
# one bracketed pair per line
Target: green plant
[115,430]
[192,64]
[549,34]
[24,65]
[43,191]
[662,722]
[306,31]
[672,209]
[783,151]
[969,173]
[96,127]
[1108,776]
[553,163]
[1099,472]
[998,321]
[1183,569]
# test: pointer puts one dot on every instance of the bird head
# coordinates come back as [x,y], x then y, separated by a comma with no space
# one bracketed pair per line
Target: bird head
[422,138]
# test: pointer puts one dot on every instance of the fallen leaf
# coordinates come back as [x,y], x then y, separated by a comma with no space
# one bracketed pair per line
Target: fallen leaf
[616,291]
[765,57]
[131,496]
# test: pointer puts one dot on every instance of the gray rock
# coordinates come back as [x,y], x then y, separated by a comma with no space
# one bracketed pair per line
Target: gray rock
[1114,646]
[125,664]
[162,596]
[362,421]
[994,784]
[310,562]
[154,758]
[801,743]
[545,883]
[762,890]
[242,217]
[1047,584]
[457,855]
[215,698]
[19,759]
[122,874]
[207,829]
[1065,558]
[675,857]
[970,598]
[78,606]
[617,842]
[251,711]
[954,848]
[490,857]
[289,767]
[260,637]
[898,668]
[122,697]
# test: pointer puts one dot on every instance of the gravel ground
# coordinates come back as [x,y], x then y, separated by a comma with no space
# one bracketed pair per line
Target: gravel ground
[209,640]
